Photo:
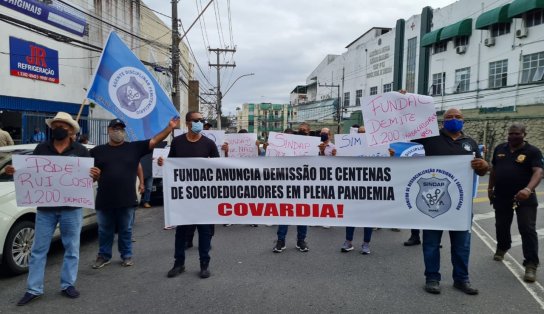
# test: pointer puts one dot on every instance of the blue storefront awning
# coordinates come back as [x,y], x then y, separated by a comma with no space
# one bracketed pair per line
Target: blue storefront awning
[39,105]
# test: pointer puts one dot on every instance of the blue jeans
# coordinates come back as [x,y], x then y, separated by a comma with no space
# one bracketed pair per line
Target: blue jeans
[460,251]
[70,229]
[205,233]
[301,232]
[108,219]
[148,185]
[367,234]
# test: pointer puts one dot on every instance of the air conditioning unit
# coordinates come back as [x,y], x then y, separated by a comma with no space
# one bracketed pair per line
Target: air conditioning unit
[489,41]
[522,33]
[461,49]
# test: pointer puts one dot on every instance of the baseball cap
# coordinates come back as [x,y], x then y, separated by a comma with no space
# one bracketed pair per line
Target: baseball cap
[115,122]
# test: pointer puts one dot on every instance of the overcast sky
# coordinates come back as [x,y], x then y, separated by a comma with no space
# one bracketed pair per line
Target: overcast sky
[281,41]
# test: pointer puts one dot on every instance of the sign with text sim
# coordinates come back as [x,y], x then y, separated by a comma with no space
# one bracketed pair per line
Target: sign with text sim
[395,117]
[33,61]
[52,181]
[354,144]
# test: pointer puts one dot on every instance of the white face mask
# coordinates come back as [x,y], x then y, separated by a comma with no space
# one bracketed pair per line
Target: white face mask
[117,136]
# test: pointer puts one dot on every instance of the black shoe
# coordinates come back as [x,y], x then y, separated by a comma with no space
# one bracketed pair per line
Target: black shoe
[204,272]
[412,241]
[176,270]
[27,298]
[302,246]
[432,287]
[466,287]
[280,246]
[70,292]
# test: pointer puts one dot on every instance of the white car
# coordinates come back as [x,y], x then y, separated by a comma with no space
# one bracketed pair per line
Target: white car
[17,223]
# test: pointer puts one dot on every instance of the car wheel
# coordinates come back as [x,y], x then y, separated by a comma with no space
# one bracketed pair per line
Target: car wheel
[17,247]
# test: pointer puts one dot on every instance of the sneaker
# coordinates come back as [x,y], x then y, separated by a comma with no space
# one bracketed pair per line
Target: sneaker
[466,287]
[499,255]
[70,292]
[302,246]
[27,298]
[412,241]
[280,246]
[347,247]
[365,249]
[432,287]
[169,227]
[176,270]
[147,205]
[127,262]
[100,262]
[530,273]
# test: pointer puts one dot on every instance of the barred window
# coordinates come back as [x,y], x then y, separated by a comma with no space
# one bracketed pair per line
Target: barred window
[346,99]
[374,90]
[411,65]
[462,80]
[532,67]
[500,29]
[534,17]
[498,73]
[438,83]
[440,47]
[387,87]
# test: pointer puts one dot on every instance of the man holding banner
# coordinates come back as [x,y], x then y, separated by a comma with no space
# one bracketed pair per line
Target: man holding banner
[69,218]
[450,141]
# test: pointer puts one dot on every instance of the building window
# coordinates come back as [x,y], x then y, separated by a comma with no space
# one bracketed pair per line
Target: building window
[498,73]
[346,99]
[411,65]
[462,80]
[374,90]
[358,96]
[500,29]
[387,87]
[440,47]
[532,67]
[438,83]
[535,17]
[461,41]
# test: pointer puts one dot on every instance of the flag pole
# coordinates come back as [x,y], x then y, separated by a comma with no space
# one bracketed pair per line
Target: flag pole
[81,109]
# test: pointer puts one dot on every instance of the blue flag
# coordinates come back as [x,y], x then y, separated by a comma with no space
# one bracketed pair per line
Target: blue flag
[123,86]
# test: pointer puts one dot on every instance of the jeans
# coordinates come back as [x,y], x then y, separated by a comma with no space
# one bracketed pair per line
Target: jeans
[70,222]
[108,219]
[367,234]
[301,232]
[460,251]
[148,186]
[526,216]
[204,243]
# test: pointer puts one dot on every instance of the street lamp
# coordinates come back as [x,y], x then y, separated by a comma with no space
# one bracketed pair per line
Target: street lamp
[222,95]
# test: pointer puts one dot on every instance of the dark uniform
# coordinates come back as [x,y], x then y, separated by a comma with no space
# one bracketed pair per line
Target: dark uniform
[513,171]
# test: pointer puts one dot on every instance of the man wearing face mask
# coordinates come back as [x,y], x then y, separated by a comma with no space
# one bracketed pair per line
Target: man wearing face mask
[116,197]
[516,172]
[450,141]
[302,246]
[326,148]
[69,219]
[192,145]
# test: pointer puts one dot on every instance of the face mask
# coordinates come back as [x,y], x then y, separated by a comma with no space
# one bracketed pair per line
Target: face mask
[117,136]
[453,125]
[59,134]
[324,137]
[197,127]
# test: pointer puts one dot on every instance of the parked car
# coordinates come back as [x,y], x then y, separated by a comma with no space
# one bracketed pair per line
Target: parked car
[17,223]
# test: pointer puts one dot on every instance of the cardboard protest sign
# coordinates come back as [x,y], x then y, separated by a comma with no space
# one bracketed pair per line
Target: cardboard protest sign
[409,193]
[51,181]
[158,152]
[395,117]
[242,144]
[356,145]
[281,144]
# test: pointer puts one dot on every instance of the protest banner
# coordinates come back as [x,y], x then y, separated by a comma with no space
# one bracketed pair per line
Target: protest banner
[242,144]
[410,193]
[355,145]
[158,152]
[395,117]
[51,181]
[281,144]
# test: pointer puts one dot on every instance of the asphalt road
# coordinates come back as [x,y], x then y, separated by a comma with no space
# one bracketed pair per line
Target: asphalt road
[248,278]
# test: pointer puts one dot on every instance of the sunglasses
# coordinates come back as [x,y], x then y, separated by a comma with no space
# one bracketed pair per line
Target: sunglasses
[197,120]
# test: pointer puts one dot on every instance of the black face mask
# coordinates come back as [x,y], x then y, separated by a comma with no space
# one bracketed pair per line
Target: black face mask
[324,137]
[59,134]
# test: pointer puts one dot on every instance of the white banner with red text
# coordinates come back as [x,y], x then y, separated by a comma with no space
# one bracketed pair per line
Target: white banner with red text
[419,193]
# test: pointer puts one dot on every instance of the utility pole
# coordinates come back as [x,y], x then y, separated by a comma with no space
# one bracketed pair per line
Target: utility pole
[339,107]
[175,57]
[218,66]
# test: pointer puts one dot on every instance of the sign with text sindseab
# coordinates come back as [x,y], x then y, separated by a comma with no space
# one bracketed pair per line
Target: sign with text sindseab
[51,181]
[418,193]
[395,117]
[33,61]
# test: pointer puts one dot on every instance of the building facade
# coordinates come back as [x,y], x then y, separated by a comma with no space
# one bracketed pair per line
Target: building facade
[262,118]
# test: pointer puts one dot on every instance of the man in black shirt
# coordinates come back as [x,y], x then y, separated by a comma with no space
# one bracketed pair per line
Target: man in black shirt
[450,141]
[116,196]
[517,171]
[192,144]
[69,218]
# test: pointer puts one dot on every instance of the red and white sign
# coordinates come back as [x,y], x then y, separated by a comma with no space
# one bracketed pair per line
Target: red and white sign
[283,145]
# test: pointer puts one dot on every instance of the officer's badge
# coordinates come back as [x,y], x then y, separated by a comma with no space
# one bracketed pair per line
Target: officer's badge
[521,158]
